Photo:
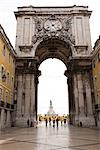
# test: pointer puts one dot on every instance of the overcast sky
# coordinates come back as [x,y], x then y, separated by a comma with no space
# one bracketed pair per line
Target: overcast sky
[52,85]
[8,21]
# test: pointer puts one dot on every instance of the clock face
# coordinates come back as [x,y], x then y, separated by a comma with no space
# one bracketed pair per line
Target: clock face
[52,25]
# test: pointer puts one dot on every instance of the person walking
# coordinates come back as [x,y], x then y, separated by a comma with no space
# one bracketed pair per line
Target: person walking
[50,121]
[31,125]
[46,121]
[28,123]
[57,121]
[53,121]
[61,120]
[65,122]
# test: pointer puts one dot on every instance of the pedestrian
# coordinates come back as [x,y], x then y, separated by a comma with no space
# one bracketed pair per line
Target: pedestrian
[50,121]
[61,122]
[31,125]
[57,121]
[46,121]
[65,122]
[28,123]
[53,122]
[39,119]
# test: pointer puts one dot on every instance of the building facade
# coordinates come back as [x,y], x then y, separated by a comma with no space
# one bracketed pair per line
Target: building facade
[7,75]
[96,79]
[54,32]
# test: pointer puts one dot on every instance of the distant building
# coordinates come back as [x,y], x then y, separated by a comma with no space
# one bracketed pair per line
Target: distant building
[7,75]
[96,79]
[51,112]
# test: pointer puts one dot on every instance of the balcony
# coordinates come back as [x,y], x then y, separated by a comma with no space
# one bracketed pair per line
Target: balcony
[97,107]
[2,103]
[6,105]
[12,106]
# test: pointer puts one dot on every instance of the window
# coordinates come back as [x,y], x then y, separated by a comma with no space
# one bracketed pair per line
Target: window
[9,57]
[2,71]
[3,75]
[12,81]
[13,66]
[6,96]
[8,78]
[0,94]
[4,50]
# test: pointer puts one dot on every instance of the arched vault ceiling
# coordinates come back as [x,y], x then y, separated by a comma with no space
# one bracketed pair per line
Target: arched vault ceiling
[53,48]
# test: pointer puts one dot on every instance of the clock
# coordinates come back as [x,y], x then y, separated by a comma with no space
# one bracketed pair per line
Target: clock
[53,25]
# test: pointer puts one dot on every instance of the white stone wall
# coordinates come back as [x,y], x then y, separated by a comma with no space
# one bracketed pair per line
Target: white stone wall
[26,26]
[26,29]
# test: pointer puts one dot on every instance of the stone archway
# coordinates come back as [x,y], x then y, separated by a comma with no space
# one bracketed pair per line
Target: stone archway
[53,48]
[58,32]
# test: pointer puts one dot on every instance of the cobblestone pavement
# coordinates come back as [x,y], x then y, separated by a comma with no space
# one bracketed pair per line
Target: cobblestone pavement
[50,138]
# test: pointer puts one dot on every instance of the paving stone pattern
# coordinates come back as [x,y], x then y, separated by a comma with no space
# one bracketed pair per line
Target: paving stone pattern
[50,138]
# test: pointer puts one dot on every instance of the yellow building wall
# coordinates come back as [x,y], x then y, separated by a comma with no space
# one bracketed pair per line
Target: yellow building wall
[96,77]
[9,67]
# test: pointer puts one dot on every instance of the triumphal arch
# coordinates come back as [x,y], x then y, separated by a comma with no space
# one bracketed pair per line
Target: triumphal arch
[54,32]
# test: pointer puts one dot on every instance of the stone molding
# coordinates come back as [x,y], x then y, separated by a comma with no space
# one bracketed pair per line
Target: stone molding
[25,48]
[26,66]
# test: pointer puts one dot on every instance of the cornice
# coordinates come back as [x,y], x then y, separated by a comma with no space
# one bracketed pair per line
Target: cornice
[96,48]
[65,10]
[7,41]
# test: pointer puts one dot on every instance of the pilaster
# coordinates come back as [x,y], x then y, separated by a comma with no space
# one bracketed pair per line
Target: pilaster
[32,100]
[8,123]
[19,96]
[88,96]
[27,96]
[2,118]
[80,95]
[76,99]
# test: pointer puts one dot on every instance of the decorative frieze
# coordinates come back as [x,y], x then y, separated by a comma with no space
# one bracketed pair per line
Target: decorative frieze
[53,27]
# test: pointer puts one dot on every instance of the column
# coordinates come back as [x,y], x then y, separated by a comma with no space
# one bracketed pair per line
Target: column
[8,123]
[2,118]
[88,96]
[76,94]
[27,96]
[23,95]
[80,94]
[32,103]
[19,96]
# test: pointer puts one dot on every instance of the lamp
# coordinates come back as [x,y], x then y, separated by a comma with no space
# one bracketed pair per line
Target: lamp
[3,76]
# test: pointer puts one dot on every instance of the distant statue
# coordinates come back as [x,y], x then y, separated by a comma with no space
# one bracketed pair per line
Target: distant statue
[51,112]
[50,103]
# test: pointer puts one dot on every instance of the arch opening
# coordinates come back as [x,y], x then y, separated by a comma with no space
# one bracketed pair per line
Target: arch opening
[53,86]
[60,51]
